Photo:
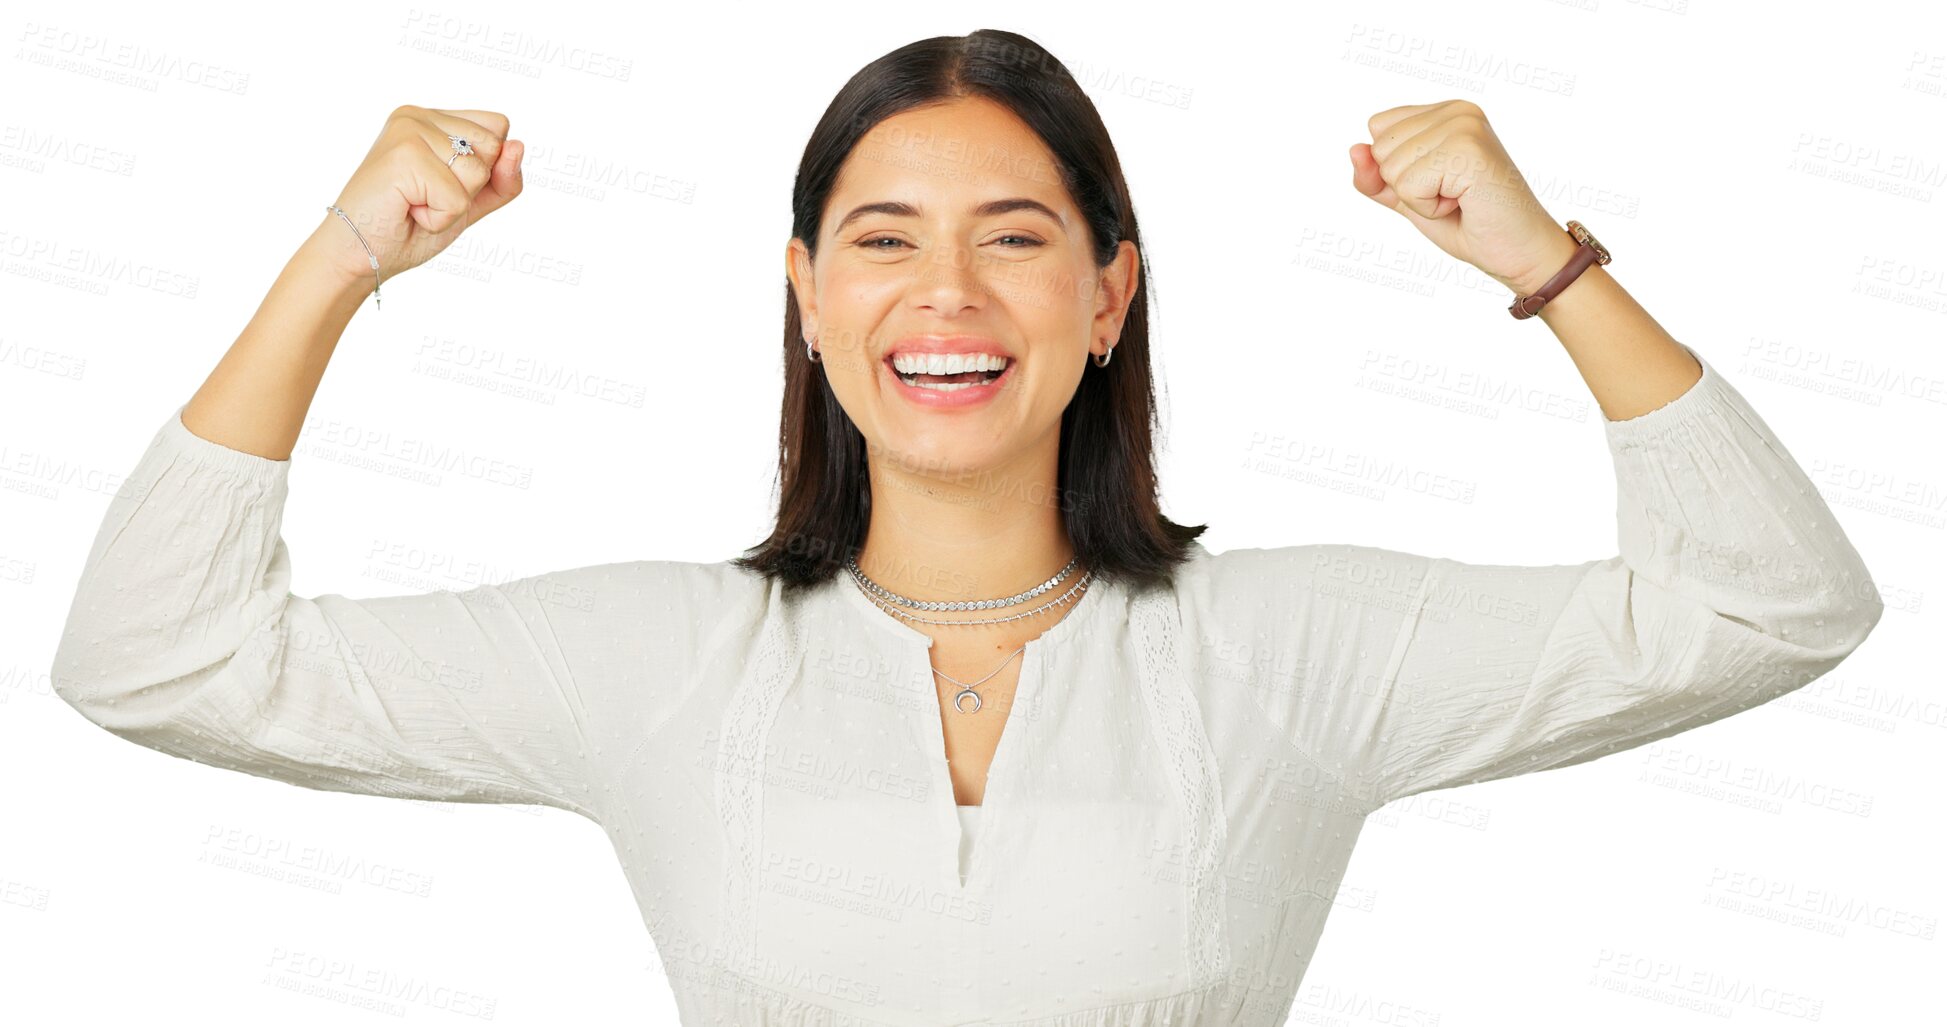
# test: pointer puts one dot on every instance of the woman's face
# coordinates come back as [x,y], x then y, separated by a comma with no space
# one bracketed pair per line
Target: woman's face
[949,248]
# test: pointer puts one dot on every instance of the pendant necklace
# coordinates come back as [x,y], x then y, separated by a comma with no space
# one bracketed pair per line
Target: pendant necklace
[888,601]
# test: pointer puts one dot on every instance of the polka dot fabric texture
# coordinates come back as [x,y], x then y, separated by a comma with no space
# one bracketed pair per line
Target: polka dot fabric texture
[1177,791]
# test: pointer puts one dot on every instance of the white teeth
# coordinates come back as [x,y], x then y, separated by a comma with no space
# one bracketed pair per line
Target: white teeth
[947,363]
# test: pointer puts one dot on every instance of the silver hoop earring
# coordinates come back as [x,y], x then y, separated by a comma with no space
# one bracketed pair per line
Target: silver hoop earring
[1103,360]
[812,354]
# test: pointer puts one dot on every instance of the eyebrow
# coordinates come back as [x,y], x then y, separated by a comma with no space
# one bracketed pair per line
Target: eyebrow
[991,208]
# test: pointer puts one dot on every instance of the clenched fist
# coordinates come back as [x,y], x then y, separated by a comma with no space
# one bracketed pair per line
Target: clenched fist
[1441,166]
[408,201]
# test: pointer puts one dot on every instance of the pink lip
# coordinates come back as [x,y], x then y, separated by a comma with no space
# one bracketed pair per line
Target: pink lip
[949,344]
[972,395]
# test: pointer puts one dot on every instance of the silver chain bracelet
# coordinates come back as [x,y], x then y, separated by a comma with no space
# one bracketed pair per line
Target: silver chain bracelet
[368,252]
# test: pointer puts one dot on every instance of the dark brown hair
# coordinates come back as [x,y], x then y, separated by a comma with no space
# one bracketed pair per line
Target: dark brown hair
[1106,478]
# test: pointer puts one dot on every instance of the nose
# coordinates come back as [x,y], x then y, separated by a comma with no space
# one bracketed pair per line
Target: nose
[951,282]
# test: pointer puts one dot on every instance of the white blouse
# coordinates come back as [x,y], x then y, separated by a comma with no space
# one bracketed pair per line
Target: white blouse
[1176,792]
[969,824]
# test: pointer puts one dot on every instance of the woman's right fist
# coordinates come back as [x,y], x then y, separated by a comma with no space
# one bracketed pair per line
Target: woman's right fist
[408,201]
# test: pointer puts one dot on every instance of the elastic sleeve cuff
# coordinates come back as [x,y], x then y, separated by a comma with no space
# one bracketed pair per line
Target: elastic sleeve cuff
[1694,401]
[175,438]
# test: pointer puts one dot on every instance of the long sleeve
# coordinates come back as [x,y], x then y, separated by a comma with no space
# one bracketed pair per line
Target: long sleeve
[184,637]
[1734,585]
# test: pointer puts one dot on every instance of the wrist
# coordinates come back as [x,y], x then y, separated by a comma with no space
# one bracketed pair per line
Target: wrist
[1546,265]
[334,260]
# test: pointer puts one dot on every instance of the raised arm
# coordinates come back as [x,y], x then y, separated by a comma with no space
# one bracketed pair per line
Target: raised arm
[184,635]
[1399,673]
[1734,583]
[1733,586]
[413,194]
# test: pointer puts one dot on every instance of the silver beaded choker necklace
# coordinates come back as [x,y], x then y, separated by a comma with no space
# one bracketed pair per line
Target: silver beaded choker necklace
[866,585]
[852,564]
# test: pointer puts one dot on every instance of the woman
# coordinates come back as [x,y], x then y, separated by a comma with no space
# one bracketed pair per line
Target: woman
[977,734]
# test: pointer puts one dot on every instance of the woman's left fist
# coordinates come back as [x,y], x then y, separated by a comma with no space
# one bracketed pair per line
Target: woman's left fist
[1441,166]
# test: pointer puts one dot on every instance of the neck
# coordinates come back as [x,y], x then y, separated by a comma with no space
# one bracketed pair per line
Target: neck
[983,534]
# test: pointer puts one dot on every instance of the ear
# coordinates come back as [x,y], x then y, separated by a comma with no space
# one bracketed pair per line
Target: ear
[798,270]
[1115,288]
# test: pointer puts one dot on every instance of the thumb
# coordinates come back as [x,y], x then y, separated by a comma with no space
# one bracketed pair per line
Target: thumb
[1366,178]
[503,183]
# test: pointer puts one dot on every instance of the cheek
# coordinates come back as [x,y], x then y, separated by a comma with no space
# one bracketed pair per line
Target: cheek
[1046,392]
[850,373]
[855,282]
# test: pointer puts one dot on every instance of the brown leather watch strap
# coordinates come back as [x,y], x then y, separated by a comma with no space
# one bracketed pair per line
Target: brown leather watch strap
[1589,253]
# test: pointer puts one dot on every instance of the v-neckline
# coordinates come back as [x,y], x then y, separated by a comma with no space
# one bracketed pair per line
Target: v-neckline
[996,807]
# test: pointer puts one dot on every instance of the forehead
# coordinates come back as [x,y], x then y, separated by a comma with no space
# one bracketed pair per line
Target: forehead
[947,157]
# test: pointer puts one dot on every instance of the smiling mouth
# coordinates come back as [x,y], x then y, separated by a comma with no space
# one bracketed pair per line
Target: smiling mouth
[947,382]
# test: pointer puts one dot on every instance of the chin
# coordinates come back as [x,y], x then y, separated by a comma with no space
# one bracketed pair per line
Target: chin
[938,451]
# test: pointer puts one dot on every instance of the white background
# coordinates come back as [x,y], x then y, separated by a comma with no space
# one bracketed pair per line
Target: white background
[1772,186]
